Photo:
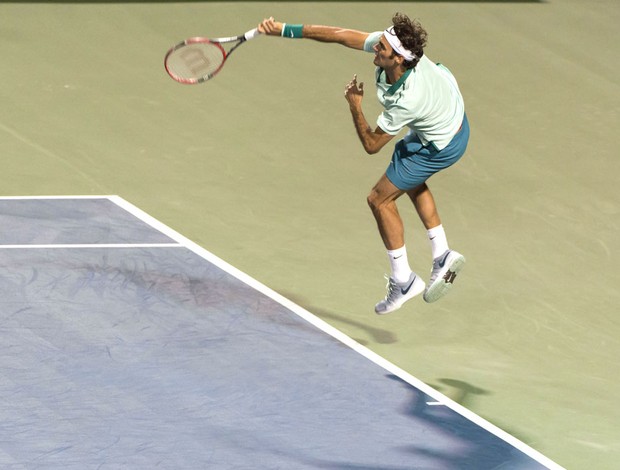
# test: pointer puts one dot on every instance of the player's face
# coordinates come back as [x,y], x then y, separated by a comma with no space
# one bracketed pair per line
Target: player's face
[385,56]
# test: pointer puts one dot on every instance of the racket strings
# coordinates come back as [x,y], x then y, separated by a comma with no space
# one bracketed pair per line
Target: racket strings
[195,61]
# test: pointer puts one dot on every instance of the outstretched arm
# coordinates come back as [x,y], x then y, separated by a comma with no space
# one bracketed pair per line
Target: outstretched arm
[347,37]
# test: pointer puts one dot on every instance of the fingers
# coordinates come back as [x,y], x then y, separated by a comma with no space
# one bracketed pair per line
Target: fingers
[353,85]
[265,25]
[353,90]
[347,88]
[270,27]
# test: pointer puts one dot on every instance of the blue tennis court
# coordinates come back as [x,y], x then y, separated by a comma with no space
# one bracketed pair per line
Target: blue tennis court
[126,345]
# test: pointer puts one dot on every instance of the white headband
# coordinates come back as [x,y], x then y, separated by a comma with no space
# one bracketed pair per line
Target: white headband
[398,47]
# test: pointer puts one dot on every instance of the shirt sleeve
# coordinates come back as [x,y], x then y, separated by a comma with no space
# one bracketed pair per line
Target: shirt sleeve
[372,40]
[392,120]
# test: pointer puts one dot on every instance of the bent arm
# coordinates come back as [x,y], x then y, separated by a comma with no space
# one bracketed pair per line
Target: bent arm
[372,140]
[347,37]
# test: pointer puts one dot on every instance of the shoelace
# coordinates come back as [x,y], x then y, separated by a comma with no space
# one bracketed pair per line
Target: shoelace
[392,290]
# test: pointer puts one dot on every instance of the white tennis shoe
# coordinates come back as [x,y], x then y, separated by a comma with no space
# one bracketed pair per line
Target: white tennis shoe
[445,269]
[399,293]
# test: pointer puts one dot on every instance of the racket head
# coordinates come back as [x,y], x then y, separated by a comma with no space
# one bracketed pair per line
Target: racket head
[194,60]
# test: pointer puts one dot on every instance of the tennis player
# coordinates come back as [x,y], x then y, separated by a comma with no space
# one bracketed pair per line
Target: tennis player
[424,98]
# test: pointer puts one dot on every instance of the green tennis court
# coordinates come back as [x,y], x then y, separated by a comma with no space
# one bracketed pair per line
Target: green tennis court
[263,167]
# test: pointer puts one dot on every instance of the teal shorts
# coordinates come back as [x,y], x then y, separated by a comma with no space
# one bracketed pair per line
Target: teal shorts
[413,163]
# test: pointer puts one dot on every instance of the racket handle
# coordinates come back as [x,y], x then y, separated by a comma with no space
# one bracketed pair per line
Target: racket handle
[251,34]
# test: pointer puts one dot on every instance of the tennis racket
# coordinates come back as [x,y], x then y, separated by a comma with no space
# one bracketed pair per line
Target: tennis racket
[197,60]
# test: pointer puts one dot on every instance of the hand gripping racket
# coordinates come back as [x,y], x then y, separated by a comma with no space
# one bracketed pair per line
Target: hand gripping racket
[197,60]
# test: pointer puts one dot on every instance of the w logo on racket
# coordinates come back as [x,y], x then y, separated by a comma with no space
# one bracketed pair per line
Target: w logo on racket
[195,60]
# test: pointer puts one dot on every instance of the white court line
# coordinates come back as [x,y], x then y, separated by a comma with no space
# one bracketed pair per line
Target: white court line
[91,245]
[17,198]
[77,245]
[330,330]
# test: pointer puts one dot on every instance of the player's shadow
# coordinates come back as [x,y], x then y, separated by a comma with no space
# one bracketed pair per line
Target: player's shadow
[379,335]
[465,395]
[459,391]
[480,449]
[467,446]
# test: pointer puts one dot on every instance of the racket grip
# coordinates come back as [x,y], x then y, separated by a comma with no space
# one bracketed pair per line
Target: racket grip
[251,34]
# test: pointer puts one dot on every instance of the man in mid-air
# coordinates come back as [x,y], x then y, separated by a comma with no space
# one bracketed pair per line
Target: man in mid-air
[419,95]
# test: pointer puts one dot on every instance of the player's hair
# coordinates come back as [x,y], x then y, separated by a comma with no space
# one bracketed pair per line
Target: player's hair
[412,36]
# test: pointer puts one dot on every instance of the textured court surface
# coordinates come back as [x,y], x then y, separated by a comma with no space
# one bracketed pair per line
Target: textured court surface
[122,348]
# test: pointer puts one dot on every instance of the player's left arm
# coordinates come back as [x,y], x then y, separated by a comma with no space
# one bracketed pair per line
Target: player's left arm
[372,140]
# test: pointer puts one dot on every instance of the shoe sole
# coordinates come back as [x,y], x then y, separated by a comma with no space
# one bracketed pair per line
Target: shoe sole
[443,285]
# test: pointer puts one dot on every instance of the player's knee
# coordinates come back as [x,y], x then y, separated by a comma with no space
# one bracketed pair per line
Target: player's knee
[374,202]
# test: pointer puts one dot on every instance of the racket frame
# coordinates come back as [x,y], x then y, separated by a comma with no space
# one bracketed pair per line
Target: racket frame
[216,42]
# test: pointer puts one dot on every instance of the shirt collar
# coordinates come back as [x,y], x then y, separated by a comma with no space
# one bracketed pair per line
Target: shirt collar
[395,86]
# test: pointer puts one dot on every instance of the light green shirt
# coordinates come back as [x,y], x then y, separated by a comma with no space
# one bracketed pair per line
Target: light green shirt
[426,99]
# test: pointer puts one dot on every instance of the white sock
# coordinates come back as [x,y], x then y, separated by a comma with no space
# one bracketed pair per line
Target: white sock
[399,264]
[438,240]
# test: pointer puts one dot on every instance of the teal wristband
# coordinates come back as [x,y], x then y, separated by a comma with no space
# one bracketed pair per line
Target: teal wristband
[294,31]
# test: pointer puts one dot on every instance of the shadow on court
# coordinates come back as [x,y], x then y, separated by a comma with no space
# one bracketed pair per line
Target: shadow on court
[470,454]
[379,335]
[465,394]
[459,391]
[472,457]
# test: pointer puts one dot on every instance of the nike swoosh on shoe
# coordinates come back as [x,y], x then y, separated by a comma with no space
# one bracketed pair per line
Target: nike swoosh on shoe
[404,291]
[442,262]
